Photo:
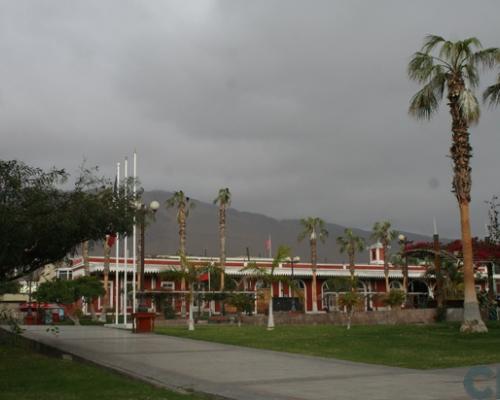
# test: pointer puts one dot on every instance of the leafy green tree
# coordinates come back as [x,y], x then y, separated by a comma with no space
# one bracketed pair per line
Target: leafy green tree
[11,287]
[242,302]
[41,222]
[395,298]
[224,201]
[351,244]
[89,288]
[183,205]
[383,233]
[314,229]
[70,291]
[442,65]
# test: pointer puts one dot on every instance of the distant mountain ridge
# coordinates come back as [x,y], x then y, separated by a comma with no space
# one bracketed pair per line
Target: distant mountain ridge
[244,229]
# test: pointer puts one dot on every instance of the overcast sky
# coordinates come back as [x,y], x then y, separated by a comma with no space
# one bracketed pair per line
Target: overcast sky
[299,107]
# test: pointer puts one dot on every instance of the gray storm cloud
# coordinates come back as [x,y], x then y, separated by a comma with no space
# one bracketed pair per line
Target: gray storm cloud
[299,107]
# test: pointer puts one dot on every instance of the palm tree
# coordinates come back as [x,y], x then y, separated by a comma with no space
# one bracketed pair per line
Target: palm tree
[224,200]
[314,228]
[383,233]
[454,68]
[351,244]
[183,204]
[268,277]
[188,272]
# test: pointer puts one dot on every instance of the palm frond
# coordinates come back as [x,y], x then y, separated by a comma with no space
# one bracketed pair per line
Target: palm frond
[469,106]
[471,74]
[488,58]
[424,103]
[420,67]
[472,41]
[447,50]
[492,93]
[431,41]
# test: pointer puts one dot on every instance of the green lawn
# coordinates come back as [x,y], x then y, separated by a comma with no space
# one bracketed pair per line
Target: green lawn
[30,376]
[412,346]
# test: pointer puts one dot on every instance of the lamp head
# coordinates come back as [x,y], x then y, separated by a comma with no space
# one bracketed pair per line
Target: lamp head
[154,205]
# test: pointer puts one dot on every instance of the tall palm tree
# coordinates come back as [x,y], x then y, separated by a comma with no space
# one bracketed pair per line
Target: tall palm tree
[383,233]
[351,244]
[314,229]
[183,204]
[454,69]
[224,201]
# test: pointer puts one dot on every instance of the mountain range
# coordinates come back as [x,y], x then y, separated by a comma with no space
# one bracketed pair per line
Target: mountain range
[243,230]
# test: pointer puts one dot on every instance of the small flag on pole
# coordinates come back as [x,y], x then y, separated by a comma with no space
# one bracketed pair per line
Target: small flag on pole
[269,246]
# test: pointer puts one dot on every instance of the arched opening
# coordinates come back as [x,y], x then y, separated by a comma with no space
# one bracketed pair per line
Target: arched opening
[418,293]
[329,297]
[396,285]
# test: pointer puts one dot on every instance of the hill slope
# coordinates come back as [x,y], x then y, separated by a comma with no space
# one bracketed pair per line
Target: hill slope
[244,229]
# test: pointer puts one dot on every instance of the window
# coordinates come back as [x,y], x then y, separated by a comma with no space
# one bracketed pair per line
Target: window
[168,285]
[65,274]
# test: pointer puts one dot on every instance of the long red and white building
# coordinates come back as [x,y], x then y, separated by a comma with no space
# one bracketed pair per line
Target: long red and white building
[371,282]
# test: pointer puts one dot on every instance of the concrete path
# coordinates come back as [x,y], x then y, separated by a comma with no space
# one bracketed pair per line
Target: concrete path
[243,373]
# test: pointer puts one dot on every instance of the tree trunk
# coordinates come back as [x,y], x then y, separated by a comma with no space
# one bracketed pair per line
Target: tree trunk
[313,288]
[472,318]
[386,269]
[270,317]
[182,253]
[85,256]
[105,302]
[222,233]
[93,315]
[461,153]
[352,269]
[405,274]
[191,306]
[349,318]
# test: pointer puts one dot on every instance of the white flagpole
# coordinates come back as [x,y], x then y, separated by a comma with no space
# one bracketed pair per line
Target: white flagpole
[134,242]
[125,250]
[117,255]
[270,247]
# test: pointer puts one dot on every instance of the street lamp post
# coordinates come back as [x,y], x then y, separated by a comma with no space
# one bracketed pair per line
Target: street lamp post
[292,262]
[143,212]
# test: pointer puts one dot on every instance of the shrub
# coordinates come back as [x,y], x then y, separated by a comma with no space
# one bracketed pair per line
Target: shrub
[395,298]
[168,310]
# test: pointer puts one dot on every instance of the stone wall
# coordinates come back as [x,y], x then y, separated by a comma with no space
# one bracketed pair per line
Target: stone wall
[391,317]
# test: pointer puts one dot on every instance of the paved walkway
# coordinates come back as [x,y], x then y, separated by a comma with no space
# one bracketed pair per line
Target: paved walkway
[243,373]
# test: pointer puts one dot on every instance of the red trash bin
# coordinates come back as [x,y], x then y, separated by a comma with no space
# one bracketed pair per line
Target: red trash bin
[144,322]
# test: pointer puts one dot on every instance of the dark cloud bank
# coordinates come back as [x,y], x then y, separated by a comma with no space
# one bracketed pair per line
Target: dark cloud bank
[299,107]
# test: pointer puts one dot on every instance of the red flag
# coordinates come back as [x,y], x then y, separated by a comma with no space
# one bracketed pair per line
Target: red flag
[268,244]
[111,239]
[203,277]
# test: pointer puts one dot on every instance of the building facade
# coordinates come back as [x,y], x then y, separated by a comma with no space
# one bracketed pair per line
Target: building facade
[159,290]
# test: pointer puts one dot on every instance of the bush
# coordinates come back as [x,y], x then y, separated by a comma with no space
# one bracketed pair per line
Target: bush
[168,311]
[395,298]
[440,314]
